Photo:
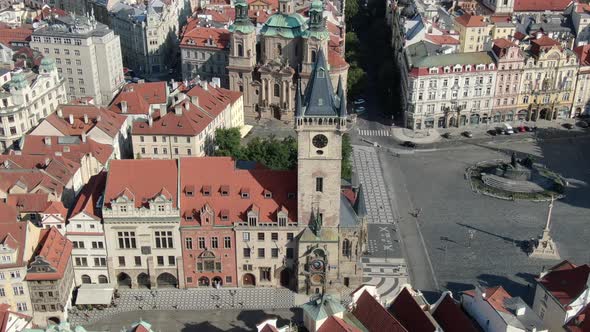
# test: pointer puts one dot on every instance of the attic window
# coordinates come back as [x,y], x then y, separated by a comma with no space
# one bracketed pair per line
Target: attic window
[189,217]
[206,190]
[224,215]
[224,190]
[321,73]
[267,194]
[245,193]
[189,190]
[66,149]
[433,71]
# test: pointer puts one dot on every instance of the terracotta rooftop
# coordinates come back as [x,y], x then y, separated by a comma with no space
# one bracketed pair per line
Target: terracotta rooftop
[219,184]
[8,213]
[5,312]
[56,208]
[54,249]
[409,313]
[84,118]
[500,18]
[19,35]
[89,196]
[566,281]
[72,149]
[139,96]
[50,12]
[495,296]
[471,21]
[28,202]
[336,61]
[503,43]
[13,234]
[541,5]
[129,177]
[442,39]
[583,53]
[451,317]
[198,36]
[580,322]
[374,316]
[335,324]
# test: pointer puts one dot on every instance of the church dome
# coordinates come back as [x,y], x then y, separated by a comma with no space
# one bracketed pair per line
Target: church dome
[18,81]
[47,64]
[287,26]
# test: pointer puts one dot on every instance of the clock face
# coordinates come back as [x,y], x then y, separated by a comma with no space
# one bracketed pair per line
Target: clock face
[320,141]
[317,265]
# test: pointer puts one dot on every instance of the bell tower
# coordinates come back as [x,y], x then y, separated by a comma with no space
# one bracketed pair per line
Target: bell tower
[320,122]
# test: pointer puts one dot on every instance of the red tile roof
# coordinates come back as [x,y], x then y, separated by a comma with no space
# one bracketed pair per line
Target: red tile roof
[409,313]
[8,213]
[54,249]
[374,316]
[216,173]
[583,53]
[582,8]
[56,208]
[50,12]
[19,35]
[88,198]
[71,150]
[139,96]
[336,61]
[580,322]
[335,324]
[566,281]
[97,117]
[28,202]
[500,18]
[204,37]
[471,21]
[13,234]
[450,316]
[130,177]
[503,43]
[541,5]
[442,39]
[495,296]
[543,44]
[5,312]
[269,328]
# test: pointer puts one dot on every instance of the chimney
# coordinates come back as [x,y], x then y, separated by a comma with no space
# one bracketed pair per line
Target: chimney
[98,118]
[174,85]
[71,119]
[216,82]
[86,118]
[124,106]
[47,140]
[186,105]
[178,109]
[520,309]
[83,137]
[195,100]
[60,113]
[150,121]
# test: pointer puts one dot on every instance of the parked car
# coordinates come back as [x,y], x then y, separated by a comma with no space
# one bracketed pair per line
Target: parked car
[492,132]
[446,135]
[508,129]
[568,126]
[359,101]
[467,134]
[582,124]
[520,129]
[409,144]
[528,129]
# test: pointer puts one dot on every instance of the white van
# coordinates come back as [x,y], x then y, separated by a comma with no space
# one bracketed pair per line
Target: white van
[508,129]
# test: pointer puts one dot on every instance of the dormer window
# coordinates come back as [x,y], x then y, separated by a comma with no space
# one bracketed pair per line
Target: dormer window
[252,220]
[267,194]
[123,208]
[224,190]
[224,215]
[189,217]
[282,221]
[245,193]
[189,191]
[206,190]
[433,71]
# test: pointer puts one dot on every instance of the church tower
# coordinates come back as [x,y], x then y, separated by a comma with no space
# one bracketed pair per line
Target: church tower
[320,122]
[242,53]
[316,37]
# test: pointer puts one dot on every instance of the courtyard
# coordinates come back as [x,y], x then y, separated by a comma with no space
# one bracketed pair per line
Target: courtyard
[475,239]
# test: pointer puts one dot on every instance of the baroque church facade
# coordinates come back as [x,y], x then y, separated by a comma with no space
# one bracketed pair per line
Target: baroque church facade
[266,67]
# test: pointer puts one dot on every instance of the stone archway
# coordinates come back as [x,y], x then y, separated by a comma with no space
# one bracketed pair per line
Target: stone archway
[545,114]
[166,280]
[86,279]
[123,280]
[249,280]
[143,281]
[463,121]
[441,122]
[203,282]
[453,122]
[217,282]
[285,277]
[53,321]
[474,119]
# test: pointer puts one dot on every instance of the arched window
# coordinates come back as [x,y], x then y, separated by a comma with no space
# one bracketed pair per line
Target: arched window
[102,279]
[313,56]
[86,279]
[277,90]
[240,50]
[346,248]
[279,49]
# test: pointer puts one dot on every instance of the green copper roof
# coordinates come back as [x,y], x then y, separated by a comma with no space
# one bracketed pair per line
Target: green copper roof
[322,308]
[243,28]
[287,26]
[19,81]
[316,34]
[442,60]
[47,64]
[317,5]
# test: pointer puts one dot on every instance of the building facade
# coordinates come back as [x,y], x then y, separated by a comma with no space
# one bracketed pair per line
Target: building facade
[87,54]
[30,98]
[510,61]
[141,222]
[474,32]
[581,103]
[204,53]
[450,90]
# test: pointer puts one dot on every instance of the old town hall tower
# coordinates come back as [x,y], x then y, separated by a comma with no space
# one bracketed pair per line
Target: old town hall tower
[329,247]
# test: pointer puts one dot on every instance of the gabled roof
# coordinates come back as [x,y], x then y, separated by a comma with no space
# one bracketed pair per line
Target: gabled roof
[471,21]
[566,281]
[8,213]
[374,316]
[28,202]
[144,178]
[109,122]
[583,53]
[13,234]
[5,313]
[410,314]
[451,317]
[71,148]
[541,5]
[219,174]
[204,37]
[53,249]
[139,97]
[335,324]
[89,197]
[495,296]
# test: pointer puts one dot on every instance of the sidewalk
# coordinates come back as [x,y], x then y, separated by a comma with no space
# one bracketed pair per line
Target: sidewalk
[421,137]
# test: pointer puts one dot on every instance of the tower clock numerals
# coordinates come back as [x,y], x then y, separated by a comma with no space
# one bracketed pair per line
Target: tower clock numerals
[320,141]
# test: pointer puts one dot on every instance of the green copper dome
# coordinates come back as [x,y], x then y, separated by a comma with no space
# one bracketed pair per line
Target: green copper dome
[19,81]
[287,26]
[242,21]
[317,5]
[47,64]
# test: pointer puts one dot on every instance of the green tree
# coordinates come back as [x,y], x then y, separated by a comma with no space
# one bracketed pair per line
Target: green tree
[228,142]
[346,157]
[273,153]
[351,9]
[356,81]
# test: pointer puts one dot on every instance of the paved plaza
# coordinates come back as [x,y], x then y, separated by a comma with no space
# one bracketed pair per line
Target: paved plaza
[474,239]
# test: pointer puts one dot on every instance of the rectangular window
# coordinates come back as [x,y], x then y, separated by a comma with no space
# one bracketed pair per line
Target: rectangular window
[274,252]
[228,280]
[246,236]
[260,252]
[126,239]
[201,243]
[121,260]
[2,292]
[289,253]
[100,261]
[188,243]
[260,236]
[160,260]
[319,184]
[247,252]
[97,245]
[265,273]
[164,239]
[21,306]
[137,260]
[18,290]
[274,236]
[289,236]
[171,260]
[214,242]
[227,242]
